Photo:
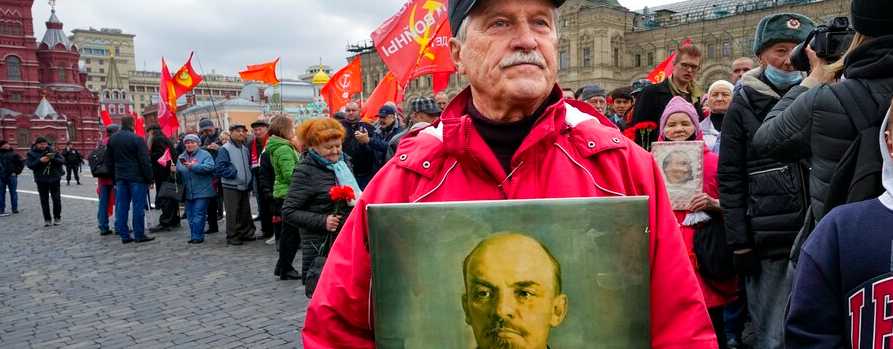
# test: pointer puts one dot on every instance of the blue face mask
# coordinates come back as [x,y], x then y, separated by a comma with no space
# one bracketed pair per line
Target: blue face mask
[783,79]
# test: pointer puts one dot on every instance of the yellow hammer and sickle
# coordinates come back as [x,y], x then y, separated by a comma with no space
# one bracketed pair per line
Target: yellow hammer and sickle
[185,79]
[423,40]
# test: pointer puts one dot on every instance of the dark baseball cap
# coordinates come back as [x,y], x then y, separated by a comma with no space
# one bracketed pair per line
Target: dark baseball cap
[459,9]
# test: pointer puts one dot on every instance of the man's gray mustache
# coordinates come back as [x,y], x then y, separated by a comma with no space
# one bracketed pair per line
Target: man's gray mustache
[518,58]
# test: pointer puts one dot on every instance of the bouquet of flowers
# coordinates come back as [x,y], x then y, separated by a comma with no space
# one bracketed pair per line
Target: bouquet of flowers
[641,133]
[343,197]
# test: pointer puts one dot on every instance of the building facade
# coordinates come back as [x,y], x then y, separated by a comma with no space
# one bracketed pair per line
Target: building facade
[99,48]
[604,43]
[43,89]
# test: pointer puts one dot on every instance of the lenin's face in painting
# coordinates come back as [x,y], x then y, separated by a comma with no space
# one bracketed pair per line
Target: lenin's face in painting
[512,293]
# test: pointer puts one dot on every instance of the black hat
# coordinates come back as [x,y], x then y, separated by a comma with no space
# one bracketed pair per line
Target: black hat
[112,128]
[425,105]
[260,123]
[872,17]
[205,124]
[40,140]
[237,126]
[459,9]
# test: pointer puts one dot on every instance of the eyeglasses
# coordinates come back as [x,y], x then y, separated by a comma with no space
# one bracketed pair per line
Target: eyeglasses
[690,67]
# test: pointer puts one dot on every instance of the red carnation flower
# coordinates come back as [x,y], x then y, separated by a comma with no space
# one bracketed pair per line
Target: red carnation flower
[342,193]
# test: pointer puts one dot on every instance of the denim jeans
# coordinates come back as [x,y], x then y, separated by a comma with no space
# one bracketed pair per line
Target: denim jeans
[10,183]
[196,214]
[129,194]
[102,216]
[767,299]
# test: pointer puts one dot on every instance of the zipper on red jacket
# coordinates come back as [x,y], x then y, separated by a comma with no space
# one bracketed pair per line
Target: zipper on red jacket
[501,186]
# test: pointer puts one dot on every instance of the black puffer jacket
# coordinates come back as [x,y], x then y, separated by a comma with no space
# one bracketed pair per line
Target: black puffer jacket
[49,172]
[362,154]
[763,200]
[266,176]
[160,143]
[10,163]
[128,156]
[307,203]
[813,123]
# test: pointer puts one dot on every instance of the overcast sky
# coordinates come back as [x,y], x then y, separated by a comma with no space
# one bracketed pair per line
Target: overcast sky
[229,34]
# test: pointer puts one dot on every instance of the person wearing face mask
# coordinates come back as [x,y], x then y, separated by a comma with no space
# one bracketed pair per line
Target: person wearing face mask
[307,205]
[719,97]
[763,200]
[679,122]
[844,279]
[813,121]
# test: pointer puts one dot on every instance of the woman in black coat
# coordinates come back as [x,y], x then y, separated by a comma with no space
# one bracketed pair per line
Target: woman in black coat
[308,206]
[814,120]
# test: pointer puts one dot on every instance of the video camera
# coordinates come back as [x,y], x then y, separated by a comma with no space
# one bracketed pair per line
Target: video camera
[828,41]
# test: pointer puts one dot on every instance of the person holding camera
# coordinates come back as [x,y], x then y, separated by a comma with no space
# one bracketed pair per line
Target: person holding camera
[47,165]
[817,119]
[763,200]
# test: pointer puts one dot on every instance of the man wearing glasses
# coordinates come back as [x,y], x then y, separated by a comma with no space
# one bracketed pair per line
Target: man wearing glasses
[654,98]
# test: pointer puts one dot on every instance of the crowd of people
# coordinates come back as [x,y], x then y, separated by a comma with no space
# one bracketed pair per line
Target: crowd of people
[794,173]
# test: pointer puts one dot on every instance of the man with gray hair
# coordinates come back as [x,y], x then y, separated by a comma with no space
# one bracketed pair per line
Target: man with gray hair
[511,135]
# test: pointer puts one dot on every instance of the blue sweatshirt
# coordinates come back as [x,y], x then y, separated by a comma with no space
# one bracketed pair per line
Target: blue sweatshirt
[843,287]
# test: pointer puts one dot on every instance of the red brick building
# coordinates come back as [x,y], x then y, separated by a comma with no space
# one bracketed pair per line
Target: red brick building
[43,91]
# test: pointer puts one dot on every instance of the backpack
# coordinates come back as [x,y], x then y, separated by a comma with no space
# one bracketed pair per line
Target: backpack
[98,167]
[858,175]
[713,254]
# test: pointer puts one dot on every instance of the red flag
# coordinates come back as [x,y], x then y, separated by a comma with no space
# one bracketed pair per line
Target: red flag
[388,90]
[436,59]
[265,72]
[343,85]
[139,125]
[167,103]
[665,69]
[407,35]
[165,158]
[106,118]
[186,79]
[440,82]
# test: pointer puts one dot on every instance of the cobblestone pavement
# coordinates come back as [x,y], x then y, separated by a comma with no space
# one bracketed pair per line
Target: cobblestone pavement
[66,286]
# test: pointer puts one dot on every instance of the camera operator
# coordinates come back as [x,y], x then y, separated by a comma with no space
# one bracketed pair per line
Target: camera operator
[811,121]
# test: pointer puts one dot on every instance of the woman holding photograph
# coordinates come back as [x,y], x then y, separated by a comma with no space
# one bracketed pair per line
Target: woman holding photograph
[679,122]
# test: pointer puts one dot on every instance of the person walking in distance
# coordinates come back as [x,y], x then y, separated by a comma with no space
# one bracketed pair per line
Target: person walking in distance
[47,165]
[11,166]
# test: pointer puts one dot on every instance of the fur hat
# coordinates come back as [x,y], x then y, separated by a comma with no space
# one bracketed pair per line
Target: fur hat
[872,17]
[781,27]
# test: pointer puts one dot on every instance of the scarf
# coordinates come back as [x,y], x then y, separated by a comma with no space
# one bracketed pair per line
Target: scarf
[343,174]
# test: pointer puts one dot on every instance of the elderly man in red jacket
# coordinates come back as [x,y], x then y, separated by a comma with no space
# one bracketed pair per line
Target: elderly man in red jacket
[510,135]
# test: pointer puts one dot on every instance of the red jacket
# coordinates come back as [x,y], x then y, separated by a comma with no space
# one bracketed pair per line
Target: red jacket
[567,154]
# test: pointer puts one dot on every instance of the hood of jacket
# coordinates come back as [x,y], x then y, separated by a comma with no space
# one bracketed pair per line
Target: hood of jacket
[276,142]
[752,79]
[873,60]
[887,197]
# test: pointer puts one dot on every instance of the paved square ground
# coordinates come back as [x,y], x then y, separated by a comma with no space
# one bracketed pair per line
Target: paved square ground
[66,286]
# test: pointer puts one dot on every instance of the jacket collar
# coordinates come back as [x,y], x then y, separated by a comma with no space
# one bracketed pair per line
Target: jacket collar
[752,79]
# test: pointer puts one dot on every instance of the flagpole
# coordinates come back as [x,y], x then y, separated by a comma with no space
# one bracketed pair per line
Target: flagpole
[210,94]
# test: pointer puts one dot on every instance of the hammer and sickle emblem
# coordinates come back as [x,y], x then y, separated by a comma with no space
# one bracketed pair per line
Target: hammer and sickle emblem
[426,38]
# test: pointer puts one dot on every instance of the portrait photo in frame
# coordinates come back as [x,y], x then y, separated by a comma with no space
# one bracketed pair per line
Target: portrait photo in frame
[682,165]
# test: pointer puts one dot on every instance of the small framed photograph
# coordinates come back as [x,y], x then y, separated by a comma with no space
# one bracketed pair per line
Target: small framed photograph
[682,165]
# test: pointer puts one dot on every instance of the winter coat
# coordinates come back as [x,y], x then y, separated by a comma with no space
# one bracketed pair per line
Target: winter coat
[233,166]
[160,143]
[308,204]
[813,123]
[49,172]
[284,159]
[266,176]
[380,140]
[72,157]
[651,103]
[566,154]
[128,156]
[197,181]
[763,200]
[843,277]
[362,155]
[10,163]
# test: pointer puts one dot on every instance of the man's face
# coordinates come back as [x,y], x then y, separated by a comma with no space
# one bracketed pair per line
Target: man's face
[686,68]
[740,67]
[511,299]
[778,56]
[353,112]
[387,120]
[260,131]
[509,53]
[238,135]
[42,146]
[622,105]
[600,103]
[442,100]
[567,94]
[191,146]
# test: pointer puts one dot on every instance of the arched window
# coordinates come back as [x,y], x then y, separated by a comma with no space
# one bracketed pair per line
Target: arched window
[108,95]
[13,68]
[115,94]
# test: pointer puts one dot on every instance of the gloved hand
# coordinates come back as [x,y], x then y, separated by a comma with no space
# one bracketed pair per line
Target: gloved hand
[745,262]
